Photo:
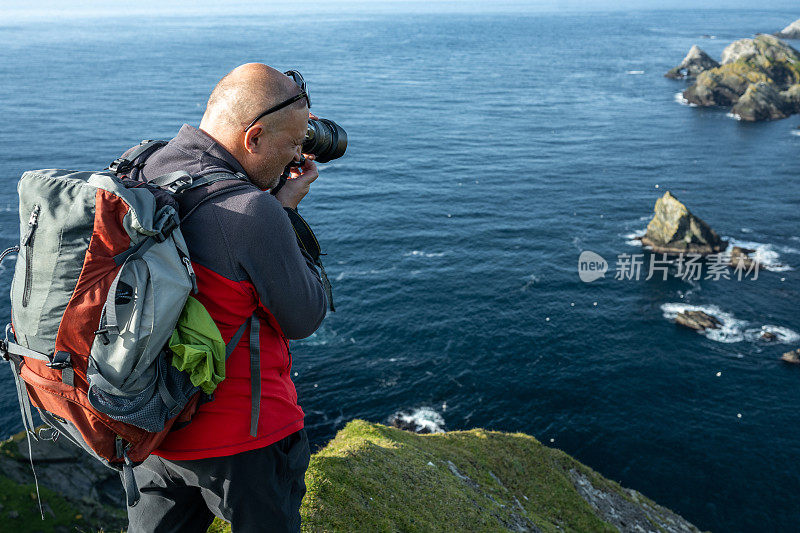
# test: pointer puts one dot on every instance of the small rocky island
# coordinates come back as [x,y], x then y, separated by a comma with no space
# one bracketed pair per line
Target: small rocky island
[695,62]
[792,357]
[792,31]
[758,78]
[675,230]
[697,320]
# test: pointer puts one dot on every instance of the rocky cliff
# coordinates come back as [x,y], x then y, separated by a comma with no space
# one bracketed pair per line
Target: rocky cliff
[374,478]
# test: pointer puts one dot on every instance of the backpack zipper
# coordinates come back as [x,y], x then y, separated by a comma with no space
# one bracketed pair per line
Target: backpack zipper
[27,242]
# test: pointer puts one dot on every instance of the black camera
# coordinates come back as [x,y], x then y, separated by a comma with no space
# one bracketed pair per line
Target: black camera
[325,139]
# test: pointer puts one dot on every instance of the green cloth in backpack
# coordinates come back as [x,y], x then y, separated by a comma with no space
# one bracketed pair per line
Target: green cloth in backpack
[197,347]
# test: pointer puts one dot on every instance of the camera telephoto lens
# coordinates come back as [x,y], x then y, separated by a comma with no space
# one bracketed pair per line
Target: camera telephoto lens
[325,139]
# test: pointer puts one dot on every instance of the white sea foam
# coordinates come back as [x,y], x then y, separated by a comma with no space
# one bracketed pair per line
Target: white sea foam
[420,253]
[683,101]
[633,237]
[734,116]
[321,337]
[361,273]
[766,254]
[732,329]
[635,72]
[422,418]
[531,281]
[795,132]
[782,334]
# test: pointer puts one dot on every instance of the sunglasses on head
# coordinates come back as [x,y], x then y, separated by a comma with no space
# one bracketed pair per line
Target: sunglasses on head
[298,79]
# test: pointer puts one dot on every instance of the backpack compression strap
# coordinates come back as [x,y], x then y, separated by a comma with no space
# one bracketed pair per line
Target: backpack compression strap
[255,367]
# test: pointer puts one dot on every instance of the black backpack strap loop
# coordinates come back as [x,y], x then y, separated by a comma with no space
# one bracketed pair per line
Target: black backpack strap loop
[173,181]
[122,165]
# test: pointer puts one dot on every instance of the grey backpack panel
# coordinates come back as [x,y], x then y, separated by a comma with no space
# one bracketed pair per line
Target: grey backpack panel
[54,237]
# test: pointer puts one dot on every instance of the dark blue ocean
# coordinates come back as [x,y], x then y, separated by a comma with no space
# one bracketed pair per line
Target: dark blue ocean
[487,151]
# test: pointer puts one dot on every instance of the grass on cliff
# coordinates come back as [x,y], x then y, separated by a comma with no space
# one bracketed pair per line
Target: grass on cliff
[376,478]
[19,510]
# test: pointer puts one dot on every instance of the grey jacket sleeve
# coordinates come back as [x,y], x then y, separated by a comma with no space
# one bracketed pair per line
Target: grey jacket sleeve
[286,280]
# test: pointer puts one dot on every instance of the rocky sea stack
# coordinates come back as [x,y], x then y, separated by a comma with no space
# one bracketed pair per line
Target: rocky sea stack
[759,79]
[792,31]
[675,230]
[695,62]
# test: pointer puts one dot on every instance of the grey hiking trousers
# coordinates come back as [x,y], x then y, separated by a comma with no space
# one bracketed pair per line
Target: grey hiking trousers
[259,490]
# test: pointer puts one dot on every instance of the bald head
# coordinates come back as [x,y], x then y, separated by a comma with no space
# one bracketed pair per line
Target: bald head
[274,140]
[242,94]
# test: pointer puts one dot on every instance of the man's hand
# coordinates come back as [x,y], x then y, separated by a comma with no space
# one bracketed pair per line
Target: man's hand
[298,184]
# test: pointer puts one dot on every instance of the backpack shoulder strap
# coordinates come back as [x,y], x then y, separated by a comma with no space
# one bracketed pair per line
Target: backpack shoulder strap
[123,165]
[181,181]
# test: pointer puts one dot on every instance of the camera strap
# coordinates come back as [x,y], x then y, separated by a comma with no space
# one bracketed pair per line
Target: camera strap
[308,242]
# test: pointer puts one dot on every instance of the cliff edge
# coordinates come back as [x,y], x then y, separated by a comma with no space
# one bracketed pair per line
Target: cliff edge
[376,478]
[370,477]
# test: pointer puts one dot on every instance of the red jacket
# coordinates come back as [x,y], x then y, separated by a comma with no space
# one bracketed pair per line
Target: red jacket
[245,255]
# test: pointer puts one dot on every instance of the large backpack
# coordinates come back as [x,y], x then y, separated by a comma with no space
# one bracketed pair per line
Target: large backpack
[101,280]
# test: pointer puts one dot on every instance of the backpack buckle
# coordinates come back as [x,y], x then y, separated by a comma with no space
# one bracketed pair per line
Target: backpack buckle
[61,360]
[103,334]
[120,165]
[166,230]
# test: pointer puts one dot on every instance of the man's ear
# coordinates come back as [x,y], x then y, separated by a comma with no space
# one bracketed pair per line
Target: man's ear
[254,139]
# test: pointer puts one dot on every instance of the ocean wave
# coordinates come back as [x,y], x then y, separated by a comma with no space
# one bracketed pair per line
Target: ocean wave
[633,238]
[420,420]
[766,254]
[734,116]
[634,72]
[324,335]
[782,334]
[531,281]
[683,101]
[733,329]
[361,273]
[795,132]
[420,253]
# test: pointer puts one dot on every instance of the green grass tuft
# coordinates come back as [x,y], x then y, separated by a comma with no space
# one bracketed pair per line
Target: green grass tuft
[376,478]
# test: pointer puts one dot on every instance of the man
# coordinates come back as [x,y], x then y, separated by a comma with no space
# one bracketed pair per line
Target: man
[238,460]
